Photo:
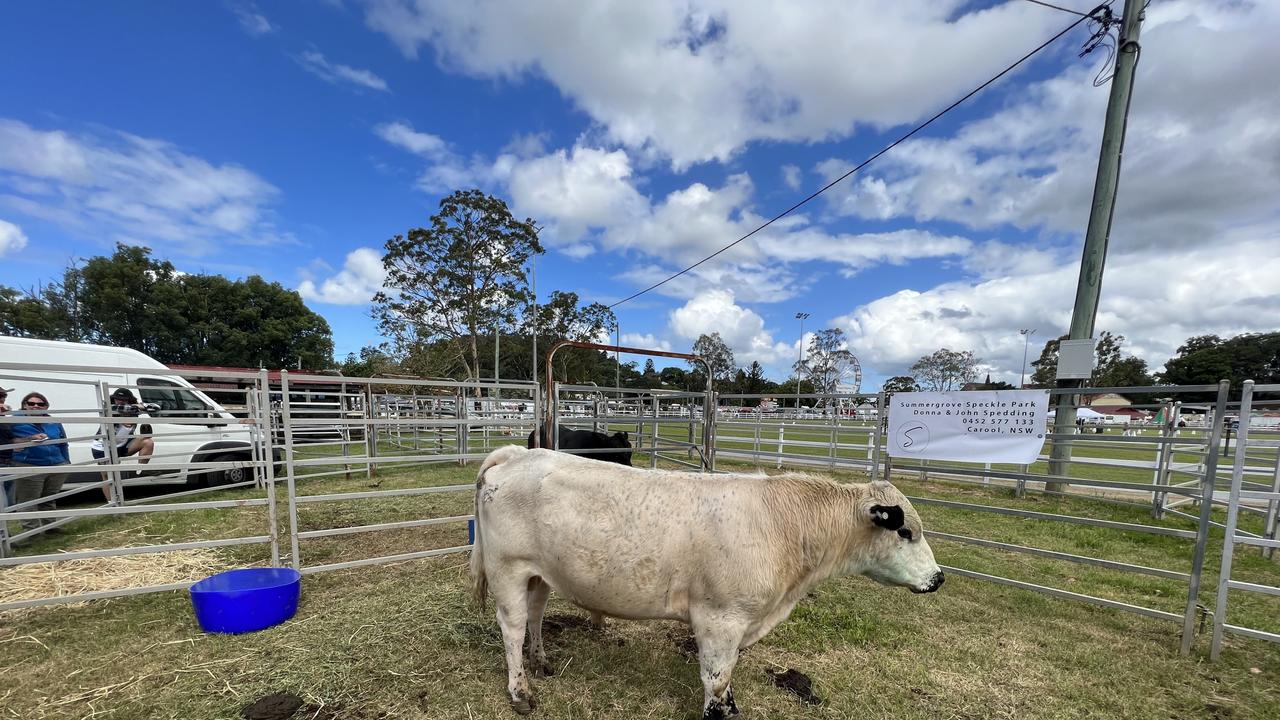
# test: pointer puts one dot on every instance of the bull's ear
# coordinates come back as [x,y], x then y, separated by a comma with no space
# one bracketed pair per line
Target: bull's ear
[887,516]
[621,435]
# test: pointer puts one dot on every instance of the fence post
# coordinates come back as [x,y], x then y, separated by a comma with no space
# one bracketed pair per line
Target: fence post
[1233,514]
[653,444]
[266,438]
[781,436]
[115,488]
[286,418]
[882,414]
[689,452]
[463,433]
[1163,454]
[1207,483]
[835,433]
[1273,508]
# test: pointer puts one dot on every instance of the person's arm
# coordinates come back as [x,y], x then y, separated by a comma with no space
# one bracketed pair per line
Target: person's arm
[64,447]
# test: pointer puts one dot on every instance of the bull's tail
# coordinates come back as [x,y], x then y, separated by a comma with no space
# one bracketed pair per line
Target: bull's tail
[479,581]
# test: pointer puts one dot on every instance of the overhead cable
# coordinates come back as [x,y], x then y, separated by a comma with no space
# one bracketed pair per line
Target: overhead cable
[1058,7]
[871,159]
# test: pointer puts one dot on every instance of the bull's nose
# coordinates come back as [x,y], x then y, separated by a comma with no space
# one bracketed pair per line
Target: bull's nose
[936,582]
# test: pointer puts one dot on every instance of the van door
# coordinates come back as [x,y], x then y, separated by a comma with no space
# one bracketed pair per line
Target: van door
[177,442]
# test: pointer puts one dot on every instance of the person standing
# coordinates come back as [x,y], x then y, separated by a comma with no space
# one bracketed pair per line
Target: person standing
[6,453]
[48,449]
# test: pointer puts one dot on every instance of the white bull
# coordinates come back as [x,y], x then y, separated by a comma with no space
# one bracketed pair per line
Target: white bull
[730,555]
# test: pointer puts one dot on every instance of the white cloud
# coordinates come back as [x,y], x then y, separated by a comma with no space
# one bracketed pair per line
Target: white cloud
[446,170]
[648,341]
[316,64]
[403,135]
[361,276]
[1156,299]
[586,199]
[651,74]
[1199,157]
[252,21]
[11,238]
[740,328]
[791,176]
[577,190]
[120,186]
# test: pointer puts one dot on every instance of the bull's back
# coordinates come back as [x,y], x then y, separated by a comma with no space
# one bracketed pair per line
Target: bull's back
[631,543]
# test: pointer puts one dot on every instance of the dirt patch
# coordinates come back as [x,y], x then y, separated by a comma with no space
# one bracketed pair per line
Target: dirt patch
[686,644]
[276,706]
[554,625]
[796,683]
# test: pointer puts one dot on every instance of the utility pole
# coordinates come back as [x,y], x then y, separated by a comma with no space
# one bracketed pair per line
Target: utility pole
[801,316]
[1098,232]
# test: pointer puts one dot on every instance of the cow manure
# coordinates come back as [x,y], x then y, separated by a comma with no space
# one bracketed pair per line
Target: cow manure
[276,706]
[553,625]
[796,683]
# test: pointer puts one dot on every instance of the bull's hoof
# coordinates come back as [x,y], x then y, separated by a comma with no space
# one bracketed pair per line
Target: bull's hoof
[720,710]
[542,669]
[524,704]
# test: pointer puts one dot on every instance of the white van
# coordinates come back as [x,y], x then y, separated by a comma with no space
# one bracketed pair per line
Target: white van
[77,393]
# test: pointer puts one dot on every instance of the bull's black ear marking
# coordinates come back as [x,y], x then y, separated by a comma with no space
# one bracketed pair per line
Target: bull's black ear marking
[887,516]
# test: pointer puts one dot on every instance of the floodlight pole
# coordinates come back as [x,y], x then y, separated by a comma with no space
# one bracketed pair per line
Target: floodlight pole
[1101,212]
[1027,333]
[801,316]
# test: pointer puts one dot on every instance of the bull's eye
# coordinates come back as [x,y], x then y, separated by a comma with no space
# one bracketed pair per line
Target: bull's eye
[904,533]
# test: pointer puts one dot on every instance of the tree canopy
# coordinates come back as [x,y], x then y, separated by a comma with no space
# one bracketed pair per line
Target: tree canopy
[717,354]
[133,300]
[945,369]
[1206,359]
[459,278]
[826,360]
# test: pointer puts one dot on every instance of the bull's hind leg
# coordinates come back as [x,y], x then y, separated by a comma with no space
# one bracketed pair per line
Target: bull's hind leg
[511,595]
[539,591]
[718,643]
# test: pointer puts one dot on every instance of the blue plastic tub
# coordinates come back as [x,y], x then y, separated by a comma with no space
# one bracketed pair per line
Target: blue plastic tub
[238,601]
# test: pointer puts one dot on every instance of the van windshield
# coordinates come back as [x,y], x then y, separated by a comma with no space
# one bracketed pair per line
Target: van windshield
[174,400]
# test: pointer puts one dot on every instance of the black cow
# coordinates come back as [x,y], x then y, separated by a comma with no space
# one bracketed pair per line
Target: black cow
[589,440]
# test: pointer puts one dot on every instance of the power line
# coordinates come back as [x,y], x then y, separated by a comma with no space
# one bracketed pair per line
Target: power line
[1059,7]
[869,160]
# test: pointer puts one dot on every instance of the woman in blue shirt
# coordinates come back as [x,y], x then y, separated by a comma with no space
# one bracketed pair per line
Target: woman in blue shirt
[48,449]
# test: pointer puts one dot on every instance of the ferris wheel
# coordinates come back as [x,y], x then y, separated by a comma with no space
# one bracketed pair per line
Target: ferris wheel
[848,375]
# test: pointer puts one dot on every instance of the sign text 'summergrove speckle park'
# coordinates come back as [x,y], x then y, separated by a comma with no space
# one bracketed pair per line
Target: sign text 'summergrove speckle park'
[976,426]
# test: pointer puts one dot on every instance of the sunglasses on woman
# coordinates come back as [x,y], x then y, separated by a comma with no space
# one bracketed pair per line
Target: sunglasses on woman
[36,403]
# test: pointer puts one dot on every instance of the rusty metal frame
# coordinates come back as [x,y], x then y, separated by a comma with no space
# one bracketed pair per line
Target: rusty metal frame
[708,403]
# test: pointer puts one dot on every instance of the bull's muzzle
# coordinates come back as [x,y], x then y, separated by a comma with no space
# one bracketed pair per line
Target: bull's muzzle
[935,582]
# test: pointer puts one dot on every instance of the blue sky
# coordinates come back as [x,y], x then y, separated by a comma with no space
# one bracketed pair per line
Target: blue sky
[292,139]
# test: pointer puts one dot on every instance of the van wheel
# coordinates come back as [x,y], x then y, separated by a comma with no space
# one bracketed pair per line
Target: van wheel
[230,476]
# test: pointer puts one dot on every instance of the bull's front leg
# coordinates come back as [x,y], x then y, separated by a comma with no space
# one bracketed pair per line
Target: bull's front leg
[718,644]
[513,613]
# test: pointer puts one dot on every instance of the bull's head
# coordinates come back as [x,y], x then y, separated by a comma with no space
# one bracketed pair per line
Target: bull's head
[620,440]
[894,550]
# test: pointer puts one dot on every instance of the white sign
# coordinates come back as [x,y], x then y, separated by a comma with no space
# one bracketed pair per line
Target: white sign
[999,426]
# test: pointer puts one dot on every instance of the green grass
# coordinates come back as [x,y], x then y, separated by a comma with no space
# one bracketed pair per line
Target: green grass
[403,641]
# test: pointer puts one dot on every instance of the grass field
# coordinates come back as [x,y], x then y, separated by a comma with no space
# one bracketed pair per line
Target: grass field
[403,641]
